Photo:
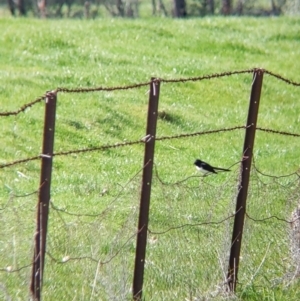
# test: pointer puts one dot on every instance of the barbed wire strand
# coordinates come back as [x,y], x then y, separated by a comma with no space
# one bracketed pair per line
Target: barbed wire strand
[201,133]
[288,81]
[122,144]
[138,85]
[97,89]
[204,77]
[24,107]
[277,132]
[19,161]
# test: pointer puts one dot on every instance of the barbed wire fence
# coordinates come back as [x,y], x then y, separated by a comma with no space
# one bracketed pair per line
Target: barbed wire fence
[123,244]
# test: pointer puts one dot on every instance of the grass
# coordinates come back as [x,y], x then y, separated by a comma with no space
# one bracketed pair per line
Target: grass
[184,263]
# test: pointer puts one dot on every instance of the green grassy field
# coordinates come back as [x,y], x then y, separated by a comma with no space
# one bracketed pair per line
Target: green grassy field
[102,189]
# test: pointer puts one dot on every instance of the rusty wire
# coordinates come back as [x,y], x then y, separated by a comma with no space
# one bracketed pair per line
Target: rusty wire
[97,89]
[288,81]
[128,143]
[270,218]
[94,259]
[222,221]
[19,161]
[68,259]
[278,132]
[195,224]
[209,76]
[138,85]
[97,148]
[200,133]
[10,270]
[102,213]
[24,107]
[121,144]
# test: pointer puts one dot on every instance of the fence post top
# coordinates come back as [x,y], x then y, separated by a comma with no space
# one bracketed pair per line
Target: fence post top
[52,93]
[259,70]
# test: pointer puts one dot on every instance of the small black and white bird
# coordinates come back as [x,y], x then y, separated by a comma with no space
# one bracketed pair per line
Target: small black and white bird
[206,168]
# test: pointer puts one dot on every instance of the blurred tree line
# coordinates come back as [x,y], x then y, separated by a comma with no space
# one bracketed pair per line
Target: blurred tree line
[130,8]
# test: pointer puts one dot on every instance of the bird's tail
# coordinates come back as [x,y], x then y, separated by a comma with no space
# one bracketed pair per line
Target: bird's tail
[222,169]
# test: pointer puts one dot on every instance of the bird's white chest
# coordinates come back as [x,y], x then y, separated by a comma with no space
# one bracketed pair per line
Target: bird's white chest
[202,170]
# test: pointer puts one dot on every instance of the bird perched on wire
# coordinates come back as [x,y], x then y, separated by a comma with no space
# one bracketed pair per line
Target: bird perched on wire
[206,168]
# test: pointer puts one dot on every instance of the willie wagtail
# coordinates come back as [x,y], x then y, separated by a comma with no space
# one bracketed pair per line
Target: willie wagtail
[206,168]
